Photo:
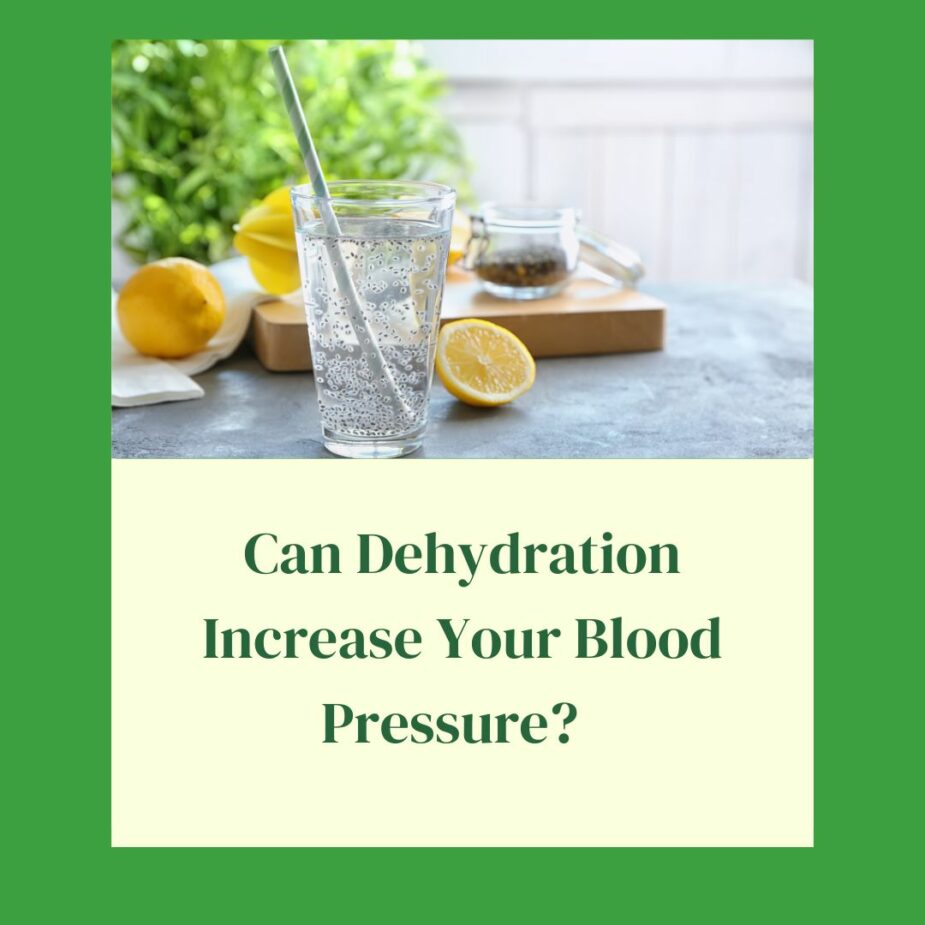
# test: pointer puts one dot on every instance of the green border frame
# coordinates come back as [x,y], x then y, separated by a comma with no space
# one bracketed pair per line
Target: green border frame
[58,502]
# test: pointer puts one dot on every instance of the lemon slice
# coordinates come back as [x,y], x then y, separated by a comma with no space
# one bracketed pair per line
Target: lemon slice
[482,363]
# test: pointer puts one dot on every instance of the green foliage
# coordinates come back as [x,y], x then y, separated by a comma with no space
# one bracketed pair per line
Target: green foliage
[199,133]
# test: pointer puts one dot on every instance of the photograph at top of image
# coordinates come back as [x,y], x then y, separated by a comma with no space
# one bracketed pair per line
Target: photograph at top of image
[462,249]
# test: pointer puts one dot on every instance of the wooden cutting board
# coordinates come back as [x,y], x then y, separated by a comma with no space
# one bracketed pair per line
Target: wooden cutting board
[588,317]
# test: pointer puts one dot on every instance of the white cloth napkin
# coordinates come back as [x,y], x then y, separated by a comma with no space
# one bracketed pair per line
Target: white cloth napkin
[141,380]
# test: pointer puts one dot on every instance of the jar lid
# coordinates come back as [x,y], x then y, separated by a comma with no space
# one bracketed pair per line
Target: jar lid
[527,216]
[608,258]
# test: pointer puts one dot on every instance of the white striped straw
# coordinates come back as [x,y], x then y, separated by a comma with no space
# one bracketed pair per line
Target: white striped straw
[368,345]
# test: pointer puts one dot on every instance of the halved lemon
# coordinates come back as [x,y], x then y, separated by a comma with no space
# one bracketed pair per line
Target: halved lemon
[482,363]
[459,236]
[266,236]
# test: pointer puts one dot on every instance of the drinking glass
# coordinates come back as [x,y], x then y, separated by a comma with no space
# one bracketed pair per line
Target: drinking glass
[373,262]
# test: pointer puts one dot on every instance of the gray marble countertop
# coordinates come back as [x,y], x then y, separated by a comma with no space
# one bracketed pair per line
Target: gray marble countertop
[735,380]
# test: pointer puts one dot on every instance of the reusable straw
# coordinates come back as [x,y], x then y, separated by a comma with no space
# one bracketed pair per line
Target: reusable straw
[368,346]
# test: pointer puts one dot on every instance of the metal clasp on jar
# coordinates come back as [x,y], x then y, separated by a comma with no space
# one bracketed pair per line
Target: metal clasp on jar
[478,241]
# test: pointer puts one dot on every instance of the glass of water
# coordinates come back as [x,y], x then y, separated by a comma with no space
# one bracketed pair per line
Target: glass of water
[373,261]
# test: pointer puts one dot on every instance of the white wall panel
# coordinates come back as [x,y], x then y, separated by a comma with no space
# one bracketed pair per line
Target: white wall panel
[565,171]
[634,195]
[703,208]
[661,107]
[769,211]
[759,59]
[593,60]
[498,151]
[698,154]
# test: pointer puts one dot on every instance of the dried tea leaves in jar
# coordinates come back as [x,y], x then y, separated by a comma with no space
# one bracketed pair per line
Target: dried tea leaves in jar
[537,265]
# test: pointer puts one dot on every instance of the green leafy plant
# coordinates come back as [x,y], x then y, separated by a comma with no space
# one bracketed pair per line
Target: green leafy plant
[199,133]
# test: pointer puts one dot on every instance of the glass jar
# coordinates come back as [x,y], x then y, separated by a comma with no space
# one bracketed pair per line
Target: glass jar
[531,252]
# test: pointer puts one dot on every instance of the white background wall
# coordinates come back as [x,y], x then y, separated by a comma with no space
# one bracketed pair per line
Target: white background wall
[698,154]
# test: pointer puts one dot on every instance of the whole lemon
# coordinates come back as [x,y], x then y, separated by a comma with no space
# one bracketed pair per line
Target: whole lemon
[171,308]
